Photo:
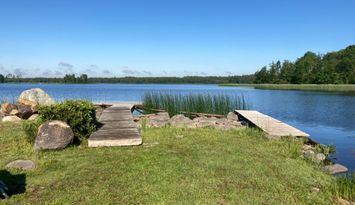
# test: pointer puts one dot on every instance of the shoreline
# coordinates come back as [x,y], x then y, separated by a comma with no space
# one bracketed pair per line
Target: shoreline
[336,88]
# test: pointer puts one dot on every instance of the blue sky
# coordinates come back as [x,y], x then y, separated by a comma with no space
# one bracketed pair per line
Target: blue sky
[166,38]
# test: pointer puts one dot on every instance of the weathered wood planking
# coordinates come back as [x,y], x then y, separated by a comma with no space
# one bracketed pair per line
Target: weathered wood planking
[117,129]
[270,125]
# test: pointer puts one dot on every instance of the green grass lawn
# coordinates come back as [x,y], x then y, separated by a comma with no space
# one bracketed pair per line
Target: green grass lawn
[350,88]
[175,166]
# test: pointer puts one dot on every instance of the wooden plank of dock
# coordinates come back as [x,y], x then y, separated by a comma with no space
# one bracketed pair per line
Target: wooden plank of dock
[118,128]
[271,126]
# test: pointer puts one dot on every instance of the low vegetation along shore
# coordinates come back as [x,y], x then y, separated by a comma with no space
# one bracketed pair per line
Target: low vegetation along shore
[174,165]
[345,88]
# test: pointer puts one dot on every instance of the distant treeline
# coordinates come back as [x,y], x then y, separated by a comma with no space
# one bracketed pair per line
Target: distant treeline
[331,68]
[137,80]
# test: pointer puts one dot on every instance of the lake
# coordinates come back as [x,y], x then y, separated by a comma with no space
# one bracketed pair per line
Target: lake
[328,117]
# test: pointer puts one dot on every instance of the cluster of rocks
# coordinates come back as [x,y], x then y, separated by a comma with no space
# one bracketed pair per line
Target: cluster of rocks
[162,119]
[52,134]
[310,152]
[26,107]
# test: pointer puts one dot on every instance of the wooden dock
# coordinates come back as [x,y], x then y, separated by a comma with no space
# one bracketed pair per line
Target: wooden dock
[118,128]
[271,126]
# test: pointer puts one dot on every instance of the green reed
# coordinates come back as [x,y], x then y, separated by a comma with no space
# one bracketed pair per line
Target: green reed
[200,103]
[345,186]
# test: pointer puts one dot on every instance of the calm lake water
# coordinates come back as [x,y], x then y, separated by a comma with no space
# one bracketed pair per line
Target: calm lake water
[329,118]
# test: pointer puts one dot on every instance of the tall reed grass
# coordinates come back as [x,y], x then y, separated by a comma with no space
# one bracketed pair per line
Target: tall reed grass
[199,103]
[345,186]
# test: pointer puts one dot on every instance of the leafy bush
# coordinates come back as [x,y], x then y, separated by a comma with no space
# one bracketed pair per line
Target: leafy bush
[30,128]
[78,114]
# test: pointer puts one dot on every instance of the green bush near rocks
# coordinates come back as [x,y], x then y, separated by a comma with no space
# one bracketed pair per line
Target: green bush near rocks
[78,114]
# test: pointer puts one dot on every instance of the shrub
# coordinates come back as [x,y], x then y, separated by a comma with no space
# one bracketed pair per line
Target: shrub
[30,128]
[78,114]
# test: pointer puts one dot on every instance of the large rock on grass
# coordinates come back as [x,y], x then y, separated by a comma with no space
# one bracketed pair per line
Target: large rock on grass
[11,119]
[35,97]
[182,121]
[21,164]
[53,135]
[6,108]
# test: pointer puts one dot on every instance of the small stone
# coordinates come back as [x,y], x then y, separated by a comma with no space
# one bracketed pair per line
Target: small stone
[179,136]
[232,116]
[158,120]
[14,112]
[24,111]
[11,119]
[6,108]
[53,135]
[182,121]
[315,189]
[33,117]
[306,147]
[320,157]
[317,157]
[21,164]
[205,121]
[336,168]
[309,153]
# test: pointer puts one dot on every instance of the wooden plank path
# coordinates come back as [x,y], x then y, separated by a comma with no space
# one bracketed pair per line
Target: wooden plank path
[118,128]
[270,125]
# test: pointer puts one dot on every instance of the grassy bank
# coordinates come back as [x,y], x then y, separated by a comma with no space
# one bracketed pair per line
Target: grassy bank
[174,166]
[305,87]
[201,103]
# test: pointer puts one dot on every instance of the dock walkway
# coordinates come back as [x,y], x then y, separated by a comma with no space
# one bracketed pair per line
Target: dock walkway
[271,126]
[118,128]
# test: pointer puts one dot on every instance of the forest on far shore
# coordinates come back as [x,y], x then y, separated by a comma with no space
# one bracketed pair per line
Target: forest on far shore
[332,68]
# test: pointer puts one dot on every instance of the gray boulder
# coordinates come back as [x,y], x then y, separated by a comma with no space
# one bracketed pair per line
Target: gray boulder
[336,168]
[35,97]
[21,164]
[159,120]
[182,121]
[53,135]
[11,119]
